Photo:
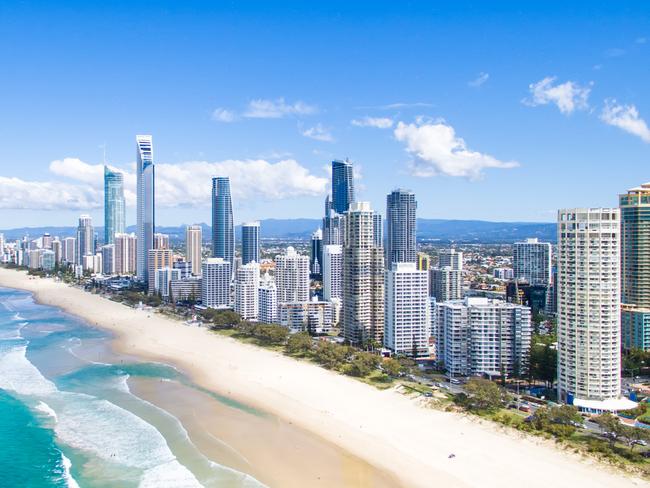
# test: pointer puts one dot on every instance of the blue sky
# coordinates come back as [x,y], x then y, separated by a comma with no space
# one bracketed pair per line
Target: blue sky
[499,112]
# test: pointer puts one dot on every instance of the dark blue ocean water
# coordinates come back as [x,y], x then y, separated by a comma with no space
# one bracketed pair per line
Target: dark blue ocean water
[68,418]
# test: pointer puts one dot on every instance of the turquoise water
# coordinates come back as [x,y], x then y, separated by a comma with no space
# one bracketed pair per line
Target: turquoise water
[68,418]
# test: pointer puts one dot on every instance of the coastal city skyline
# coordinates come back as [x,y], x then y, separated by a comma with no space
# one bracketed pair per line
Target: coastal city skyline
[562,110]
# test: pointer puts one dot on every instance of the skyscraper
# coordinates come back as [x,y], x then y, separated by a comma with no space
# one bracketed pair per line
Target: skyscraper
[332,272]
[635,267]
[400,227]
[363,278]
[145,203]
[158,258]
[267,300]
[247,283]
[223,230]
[316,254]
[588,317]
[193,246]
[114,209]
[126,246]
[161,241]
[292,277]
[407,316]
[531,261]
[446,280]
[69,250]
[342,186]
[85,239]
[250,242]
[215,284]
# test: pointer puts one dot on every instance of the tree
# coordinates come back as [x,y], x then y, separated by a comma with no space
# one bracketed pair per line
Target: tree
[299,343]
[331,355]
[362,364]
[611,425]
[391,367]
[271,333]
[485,395]
[543,359]
[560,421]
[633,435]
[635,360]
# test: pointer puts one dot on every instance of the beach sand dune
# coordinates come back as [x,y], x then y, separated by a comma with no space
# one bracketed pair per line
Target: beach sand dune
[387,429]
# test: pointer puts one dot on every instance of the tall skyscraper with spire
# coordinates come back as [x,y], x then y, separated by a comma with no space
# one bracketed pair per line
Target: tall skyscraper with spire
[114,219]
[342,186]
[400,227]
[145,203]
[223,230]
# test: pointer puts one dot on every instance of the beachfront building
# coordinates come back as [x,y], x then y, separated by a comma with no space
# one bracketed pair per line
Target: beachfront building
[407,317]
[314,316]
[363,278]
[114,205]
[478,336]
[145,202]
[158,258]
[332,272]
[250,242]
[223,230]
[186,289]
[215,287]
[342,186]
[163,279]
[108,259]
[531,261]
[292,277]
[193,247]
[69,250]
[247,283]
[588,315]
[126,246]
[400,227]
[635,267]
[267,300]
[85,238]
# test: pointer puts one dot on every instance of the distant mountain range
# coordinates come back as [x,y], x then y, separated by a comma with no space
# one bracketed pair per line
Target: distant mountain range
[465,231]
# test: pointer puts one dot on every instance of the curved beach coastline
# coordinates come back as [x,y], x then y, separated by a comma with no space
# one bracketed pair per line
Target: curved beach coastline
[384,428]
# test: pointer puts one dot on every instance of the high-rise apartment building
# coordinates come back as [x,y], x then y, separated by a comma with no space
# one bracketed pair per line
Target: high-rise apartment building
[126,250]
[193,247]
[108,259]
[85,238]
[635,267]
[267,300]
[114,206]
[158,258]
[333,225]
[451,258]
[407,317]
[531,261]
[400,227]
[478,336]
[446,280]
[145,203]
[378,229]
[588,315]
[342,186]
[250,242]
[363,278]
[163,279]
[57,248]
[161,241]
[332,272]
[223,230]
[69,245]
[292,277]
[215,285]
[423,261]
[247,283]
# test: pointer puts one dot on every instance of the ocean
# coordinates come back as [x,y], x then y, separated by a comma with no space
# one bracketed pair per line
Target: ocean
[68,416]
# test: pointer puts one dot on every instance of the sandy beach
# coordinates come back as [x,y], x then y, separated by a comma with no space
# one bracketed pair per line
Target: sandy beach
[384,428]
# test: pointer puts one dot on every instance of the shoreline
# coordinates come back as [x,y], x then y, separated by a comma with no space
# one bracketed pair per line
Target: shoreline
[387,430]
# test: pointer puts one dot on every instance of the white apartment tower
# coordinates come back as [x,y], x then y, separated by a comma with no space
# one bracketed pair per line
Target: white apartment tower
[158,258]
[332,272]
[125,253]
[531,261]
[292,277]
[588,309]
[267,300]
[247,283]
[193,238]
[407,317]
[215,286]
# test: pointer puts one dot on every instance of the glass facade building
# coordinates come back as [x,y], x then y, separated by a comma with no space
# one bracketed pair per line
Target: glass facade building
[223,231]
[400,227]
[342,186]
[145,203]
[114,211]
[250,242]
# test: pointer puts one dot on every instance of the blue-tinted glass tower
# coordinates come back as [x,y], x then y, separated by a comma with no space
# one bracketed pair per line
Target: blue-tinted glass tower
[145,203]
[114,220]
[250,242]
[342,186]
[400,227]
[223,230]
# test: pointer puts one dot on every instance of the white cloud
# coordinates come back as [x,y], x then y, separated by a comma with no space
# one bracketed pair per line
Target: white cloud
[182,184]
[319,133]
[437,150]
[479,80]
[396,105]
[641,40]
[41,195]
[223,115]
[625,117]
[378,122]
[568,96]
[614,52]
[275,109]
